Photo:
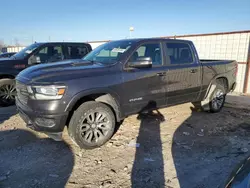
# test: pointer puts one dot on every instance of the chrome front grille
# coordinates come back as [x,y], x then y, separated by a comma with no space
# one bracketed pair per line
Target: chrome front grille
[22,92]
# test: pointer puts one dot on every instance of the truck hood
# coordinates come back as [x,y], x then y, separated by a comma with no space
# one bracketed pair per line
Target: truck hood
[5,58]
[59,71]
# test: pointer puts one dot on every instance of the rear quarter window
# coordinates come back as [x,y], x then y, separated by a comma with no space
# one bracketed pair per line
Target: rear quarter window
[179,53]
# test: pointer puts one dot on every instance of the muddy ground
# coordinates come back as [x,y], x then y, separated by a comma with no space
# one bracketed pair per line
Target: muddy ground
[175,147]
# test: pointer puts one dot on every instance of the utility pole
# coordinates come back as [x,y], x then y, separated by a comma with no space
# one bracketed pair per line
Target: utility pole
[131,29]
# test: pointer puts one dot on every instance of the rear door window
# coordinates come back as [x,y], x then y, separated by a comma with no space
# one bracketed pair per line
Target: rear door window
[77,51]
[179,53]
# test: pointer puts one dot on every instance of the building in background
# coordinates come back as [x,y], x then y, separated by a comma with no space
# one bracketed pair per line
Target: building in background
[12,49]
[226,45]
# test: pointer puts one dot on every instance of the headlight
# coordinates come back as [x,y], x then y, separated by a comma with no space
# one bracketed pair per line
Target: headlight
[47,92]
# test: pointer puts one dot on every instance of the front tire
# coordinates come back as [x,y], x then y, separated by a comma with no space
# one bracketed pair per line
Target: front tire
[7,92]
[92,125]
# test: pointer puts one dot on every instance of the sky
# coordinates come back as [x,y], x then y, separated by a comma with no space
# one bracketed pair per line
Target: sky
[24,21]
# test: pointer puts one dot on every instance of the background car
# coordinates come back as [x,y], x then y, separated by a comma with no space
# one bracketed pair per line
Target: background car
[7,54]
[34,54]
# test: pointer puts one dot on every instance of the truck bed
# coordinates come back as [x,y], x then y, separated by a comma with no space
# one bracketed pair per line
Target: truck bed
[216,62]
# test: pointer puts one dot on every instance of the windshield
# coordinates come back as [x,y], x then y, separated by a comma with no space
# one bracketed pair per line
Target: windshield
[26,51]
[109,52]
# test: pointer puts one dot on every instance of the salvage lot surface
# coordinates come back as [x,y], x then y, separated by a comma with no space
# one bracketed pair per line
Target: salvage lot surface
[176,147]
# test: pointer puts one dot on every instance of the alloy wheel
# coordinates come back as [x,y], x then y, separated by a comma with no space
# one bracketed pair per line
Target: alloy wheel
[95,126]
[7,93]
[218,99]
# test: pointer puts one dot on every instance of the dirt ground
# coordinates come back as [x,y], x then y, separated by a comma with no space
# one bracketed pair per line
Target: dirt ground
[175,147]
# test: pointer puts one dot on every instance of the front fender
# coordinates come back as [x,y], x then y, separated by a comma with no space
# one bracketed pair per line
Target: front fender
[109,97]
[7,75]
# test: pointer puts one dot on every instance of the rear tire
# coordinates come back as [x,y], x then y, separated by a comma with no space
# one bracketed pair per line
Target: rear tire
[216,101]
[7,92]
[92,125]
[218,98]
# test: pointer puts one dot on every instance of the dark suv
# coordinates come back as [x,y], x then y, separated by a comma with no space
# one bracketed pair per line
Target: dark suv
[7,54]
[37,53]
[118,79]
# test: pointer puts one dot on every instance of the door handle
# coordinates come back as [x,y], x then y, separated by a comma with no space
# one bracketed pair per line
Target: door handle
[161,73]
[193,70]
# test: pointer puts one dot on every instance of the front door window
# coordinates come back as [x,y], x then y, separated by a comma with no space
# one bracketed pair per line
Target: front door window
[50,54]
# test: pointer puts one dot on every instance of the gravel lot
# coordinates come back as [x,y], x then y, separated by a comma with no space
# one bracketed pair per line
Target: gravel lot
[175,147]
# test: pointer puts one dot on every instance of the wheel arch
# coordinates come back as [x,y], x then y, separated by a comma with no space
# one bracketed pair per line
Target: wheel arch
[2,76]
[223,80]
[219,79]
[105,96]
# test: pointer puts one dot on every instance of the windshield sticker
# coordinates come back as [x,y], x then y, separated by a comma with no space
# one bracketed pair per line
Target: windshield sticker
[118,50]
[28,51]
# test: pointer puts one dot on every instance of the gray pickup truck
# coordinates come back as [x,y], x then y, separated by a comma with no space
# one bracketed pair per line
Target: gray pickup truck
[115,80]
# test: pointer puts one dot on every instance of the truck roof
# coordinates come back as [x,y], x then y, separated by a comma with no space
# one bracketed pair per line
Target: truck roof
[61,42]
[153,39]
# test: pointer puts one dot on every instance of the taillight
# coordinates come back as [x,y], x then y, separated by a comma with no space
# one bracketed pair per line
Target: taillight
[236,69]
[19,66]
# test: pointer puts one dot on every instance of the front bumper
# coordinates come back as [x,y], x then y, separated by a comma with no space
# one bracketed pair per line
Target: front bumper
[51,124]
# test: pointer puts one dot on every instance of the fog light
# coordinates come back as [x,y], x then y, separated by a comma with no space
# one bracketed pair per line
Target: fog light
[45,122]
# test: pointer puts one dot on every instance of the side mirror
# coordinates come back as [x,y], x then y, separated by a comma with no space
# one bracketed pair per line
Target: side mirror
[141,62]
[34,60]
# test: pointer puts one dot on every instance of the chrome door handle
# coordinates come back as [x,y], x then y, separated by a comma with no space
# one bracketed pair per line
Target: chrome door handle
[161,74]
[193,70]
